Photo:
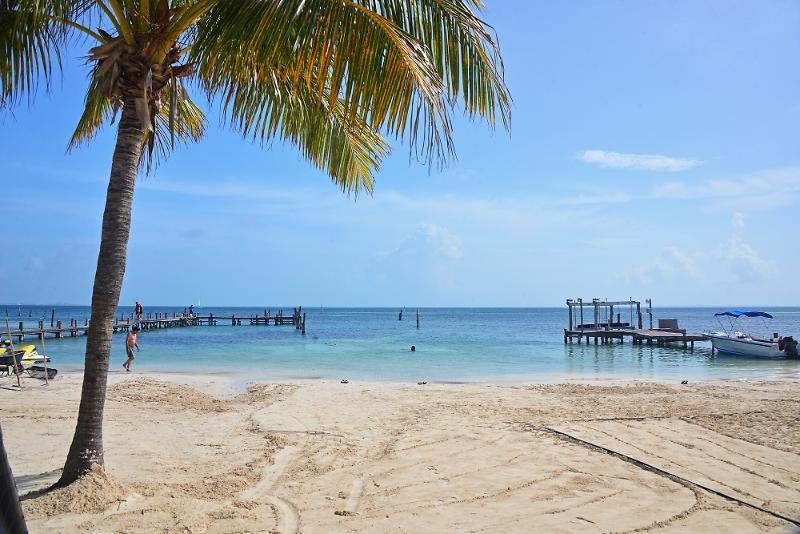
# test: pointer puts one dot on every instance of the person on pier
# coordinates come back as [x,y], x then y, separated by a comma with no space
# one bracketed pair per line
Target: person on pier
[139,311]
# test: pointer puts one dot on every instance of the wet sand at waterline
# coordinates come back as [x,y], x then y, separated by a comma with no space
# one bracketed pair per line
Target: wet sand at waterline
[190,454]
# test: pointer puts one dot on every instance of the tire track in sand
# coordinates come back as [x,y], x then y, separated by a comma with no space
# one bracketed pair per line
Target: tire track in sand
[288,516]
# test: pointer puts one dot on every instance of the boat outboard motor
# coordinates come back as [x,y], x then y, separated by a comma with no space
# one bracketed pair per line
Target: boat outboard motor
[789,346]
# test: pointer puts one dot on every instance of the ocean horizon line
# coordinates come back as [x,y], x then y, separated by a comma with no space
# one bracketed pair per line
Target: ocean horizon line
[389,307]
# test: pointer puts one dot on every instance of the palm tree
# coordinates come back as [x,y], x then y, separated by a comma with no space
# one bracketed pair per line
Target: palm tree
[335,78]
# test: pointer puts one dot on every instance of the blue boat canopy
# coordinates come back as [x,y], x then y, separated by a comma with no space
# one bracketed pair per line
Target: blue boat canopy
[746,313]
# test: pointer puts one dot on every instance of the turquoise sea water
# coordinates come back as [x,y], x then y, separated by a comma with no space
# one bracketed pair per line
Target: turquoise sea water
[453,344]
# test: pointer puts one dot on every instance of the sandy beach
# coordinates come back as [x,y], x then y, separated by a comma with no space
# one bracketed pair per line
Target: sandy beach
[191,454]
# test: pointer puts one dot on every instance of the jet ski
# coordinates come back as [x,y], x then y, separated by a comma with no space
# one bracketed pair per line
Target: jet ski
[28,352]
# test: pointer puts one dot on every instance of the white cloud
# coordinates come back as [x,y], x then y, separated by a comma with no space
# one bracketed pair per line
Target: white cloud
[671,264]
[427,258]
[430,241]
[743,261]
[732,259]
[647,162]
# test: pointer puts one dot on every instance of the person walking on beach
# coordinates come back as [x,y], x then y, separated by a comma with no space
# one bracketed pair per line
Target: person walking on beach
[130,342]
[138,312]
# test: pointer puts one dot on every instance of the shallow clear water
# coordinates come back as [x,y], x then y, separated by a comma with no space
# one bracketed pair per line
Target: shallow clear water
[453,344]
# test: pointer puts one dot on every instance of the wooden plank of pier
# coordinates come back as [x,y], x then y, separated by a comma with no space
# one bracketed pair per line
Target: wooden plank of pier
[637,335]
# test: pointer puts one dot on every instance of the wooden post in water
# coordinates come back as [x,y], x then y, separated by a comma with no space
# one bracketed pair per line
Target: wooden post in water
[569,309]
[44,357]
[52,317]
[13,352]
[417,318]
[304,323]
[400,316]
[21,334]
[650,311]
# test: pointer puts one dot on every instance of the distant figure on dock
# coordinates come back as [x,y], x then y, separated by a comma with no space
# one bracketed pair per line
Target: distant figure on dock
[130,343]
[139,311]
[191,309]
[413,348]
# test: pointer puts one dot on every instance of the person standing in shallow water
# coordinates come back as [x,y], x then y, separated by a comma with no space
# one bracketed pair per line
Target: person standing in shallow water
[130,343]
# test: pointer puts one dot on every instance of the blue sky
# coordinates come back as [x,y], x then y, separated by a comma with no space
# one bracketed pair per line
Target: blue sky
[654,152]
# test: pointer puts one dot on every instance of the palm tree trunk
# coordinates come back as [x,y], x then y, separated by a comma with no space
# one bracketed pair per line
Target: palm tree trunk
[87,444]
[11,517]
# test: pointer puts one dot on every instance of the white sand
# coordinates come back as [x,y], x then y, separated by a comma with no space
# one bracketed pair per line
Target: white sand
[319,456]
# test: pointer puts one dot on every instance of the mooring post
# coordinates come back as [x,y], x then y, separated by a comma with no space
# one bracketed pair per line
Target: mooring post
[569,309]
[417,318]
[52,316]
[59,334]
[304,323]
[639,314]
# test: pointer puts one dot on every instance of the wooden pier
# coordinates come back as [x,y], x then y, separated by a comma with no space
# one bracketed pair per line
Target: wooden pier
[608,327]
[154,321]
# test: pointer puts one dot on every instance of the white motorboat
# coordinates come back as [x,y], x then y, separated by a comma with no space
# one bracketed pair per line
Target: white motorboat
[743,344]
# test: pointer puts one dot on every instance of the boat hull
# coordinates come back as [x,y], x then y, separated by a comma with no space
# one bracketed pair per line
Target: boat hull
[745,347]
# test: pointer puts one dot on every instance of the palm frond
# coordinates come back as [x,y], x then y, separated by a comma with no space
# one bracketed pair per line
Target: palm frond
[463,48]
[364,62]
[271,106]
[188,125]
[33,35]
[97,109]
[178,118]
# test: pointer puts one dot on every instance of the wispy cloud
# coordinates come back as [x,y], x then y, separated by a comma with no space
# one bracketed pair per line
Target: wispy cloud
[765,189]
[732,260]
[647,162]
[742,259]
[426,257]
[670,264]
